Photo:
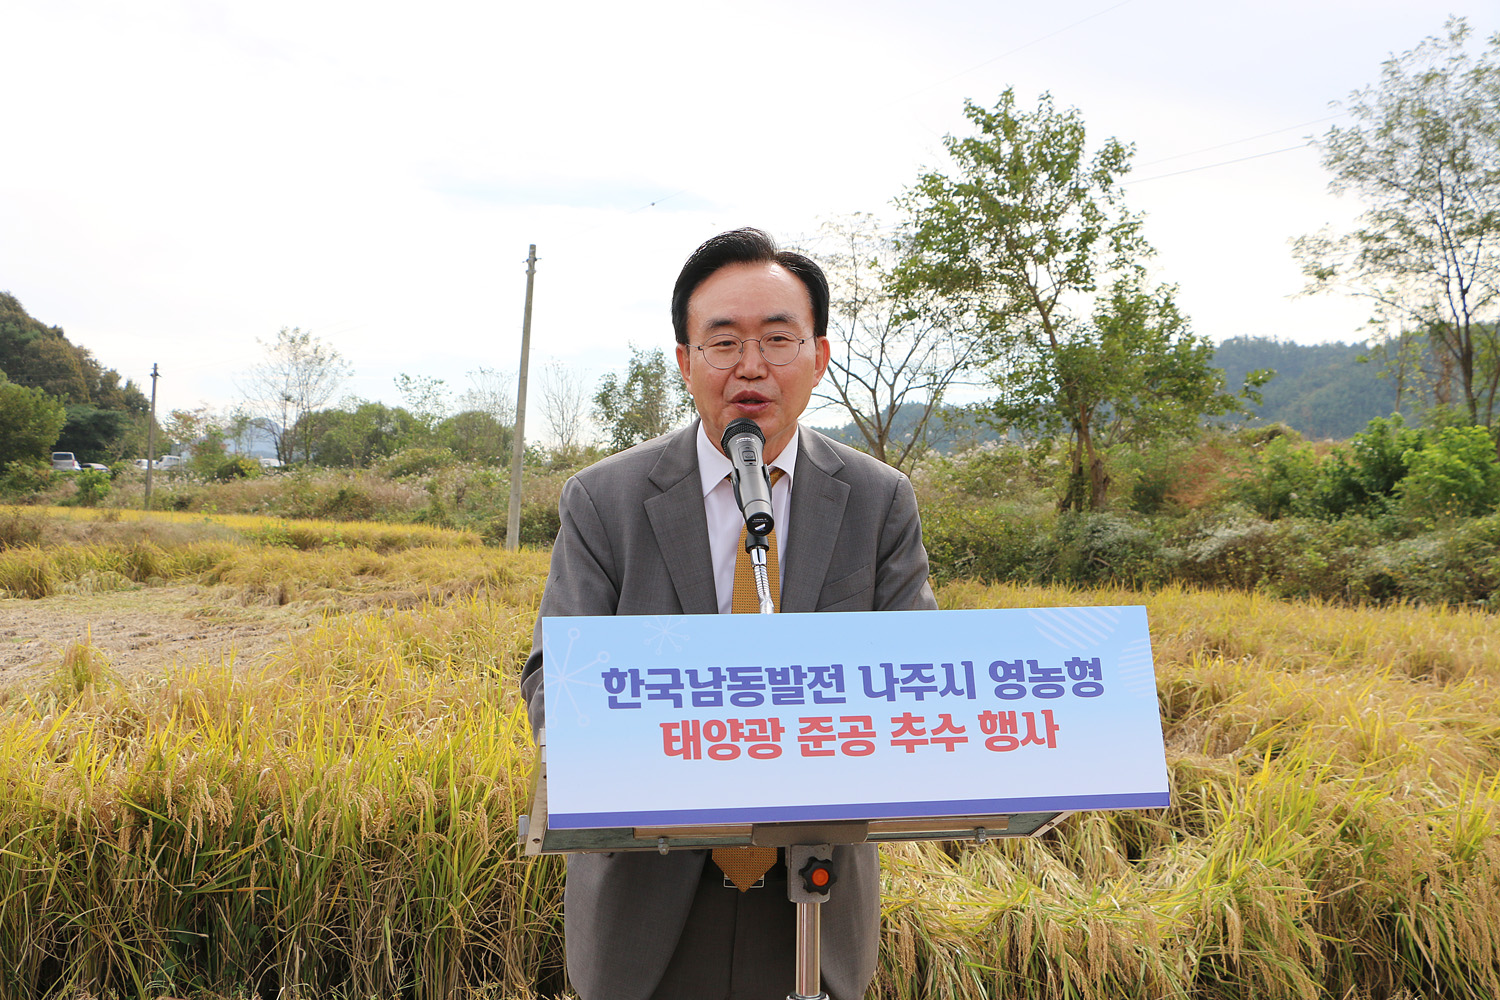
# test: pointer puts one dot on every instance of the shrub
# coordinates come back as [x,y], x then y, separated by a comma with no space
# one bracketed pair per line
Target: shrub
[320,493]
[1098,547]
[238,467]
[1205,472]
[1174,475]
[347,503]
[1456,565]
[1362,478]
[1152,477]
[540,522]
[19,529]
[1289,557]
[987,473]
[1455,475]
[1283,480]
[992,542]
[24,478]
[417,462]
[93,487]
[560,459]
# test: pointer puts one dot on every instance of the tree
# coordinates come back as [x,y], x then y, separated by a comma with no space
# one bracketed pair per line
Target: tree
[647,402]
[476,436]
[563,400]
[183,429]
[240,429]
[426,399]
[359,432]
[493,392]
[484,428]
[30,421]
[893,345]
[1423,153]
[93,434]
[1132,374]
[200,434]
[1018,240]
[300,374]
[106,420]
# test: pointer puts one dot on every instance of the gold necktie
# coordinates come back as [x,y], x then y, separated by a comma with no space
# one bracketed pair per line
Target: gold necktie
[744,866]
[745,600]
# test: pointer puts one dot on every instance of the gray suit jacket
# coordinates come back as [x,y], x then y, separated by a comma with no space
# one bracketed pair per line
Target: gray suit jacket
[634,541]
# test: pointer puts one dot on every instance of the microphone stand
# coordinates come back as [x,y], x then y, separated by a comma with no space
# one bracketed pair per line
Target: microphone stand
[757,546]
[809,867]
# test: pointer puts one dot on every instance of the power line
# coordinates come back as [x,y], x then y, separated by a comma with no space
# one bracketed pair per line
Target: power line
[1211,166]
[1236,142]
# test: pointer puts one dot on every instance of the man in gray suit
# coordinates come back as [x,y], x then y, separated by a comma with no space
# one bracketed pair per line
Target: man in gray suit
[655,530]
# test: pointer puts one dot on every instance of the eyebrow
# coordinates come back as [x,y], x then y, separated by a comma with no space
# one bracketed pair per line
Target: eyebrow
[778,318]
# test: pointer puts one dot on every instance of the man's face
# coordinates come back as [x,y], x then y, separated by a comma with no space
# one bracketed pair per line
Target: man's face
[750,301]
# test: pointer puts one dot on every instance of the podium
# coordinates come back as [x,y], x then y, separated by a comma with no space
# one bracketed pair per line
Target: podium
[538,838]
[832,729]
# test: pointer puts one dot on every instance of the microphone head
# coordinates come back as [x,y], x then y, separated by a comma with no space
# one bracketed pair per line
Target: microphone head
[744,425]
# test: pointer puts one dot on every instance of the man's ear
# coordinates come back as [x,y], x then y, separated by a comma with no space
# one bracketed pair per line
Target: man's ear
[825,351]
[684,359]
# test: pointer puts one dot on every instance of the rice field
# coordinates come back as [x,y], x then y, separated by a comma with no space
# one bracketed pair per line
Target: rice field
[71,549]
[341,822]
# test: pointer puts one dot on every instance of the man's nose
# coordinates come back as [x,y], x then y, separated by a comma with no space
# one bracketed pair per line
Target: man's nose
[752,362]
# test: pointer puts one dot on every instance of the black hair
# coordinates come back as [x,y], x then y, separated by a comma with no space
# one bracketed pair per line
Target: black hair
[746,246]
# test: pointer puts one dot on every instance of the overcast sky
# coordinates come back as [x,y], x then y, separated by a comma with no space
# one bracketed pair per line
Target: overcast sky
[180,179]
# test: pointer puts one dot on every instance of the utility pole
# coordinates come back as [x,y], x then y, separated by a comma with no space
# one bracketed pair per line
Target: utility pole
[151,436]
[518,445]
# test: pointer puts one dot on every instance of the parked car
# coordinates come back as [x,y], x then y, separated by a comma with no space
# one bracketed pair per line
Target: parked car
[64,460]
[96,466]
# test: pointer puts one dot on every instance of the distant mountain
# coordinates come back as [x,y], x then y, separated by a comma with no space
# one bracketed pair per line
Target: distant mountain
[1320,390]
[957,432]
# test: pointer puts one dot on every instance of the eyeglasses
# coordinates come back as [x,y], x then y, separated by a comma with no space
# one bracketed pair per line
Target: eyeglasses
[724,351]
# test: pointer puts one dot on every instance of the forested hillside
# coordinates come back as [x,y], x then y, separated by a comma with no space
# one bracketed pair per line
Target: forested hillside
[106,420]
[1321,390]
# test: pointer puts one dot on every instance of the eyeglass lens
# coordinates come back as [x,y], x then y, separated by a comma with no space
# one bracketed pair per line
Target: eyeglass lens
[725,352]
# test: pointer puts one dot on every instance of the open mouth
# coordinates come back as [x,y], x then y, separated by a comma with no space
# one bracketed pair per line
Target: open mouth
[750,403]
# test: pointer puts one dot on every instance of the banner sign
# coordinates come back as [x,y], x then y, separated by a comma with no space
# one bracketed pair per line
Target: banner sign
[707,719]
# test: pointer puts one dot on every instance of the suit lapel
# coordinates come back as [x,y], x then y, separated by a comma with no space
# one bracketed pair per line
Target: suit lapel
[681,527]
[818,502]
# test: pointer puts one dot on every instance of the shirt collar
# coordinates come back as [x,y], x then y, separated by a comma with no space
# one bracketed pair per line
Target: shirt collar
[713,466]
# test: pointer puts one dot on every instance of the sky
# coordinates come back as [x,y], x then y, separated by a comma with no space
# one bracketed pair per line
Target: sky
[181,180]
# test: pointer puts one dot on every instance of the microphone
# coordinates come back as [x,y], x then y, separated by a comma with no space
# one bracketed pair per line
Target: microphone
[742,442]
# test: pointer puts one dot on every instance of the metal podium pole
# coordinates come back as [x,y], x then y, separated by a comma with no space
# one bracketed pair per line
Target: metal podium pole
[808,877]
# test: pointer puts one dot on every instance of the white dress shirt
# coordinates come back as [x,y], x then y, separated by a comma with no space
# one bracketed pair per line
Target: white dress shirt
[726,523]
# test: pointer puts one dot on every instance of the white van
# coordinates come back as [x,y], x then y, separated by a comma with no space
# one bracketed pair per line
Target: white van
[64,460]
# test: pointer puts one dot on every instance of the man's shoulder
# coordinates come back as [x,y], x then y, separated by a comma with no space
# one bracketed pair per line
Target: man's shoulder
[637,462]
[824,452]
